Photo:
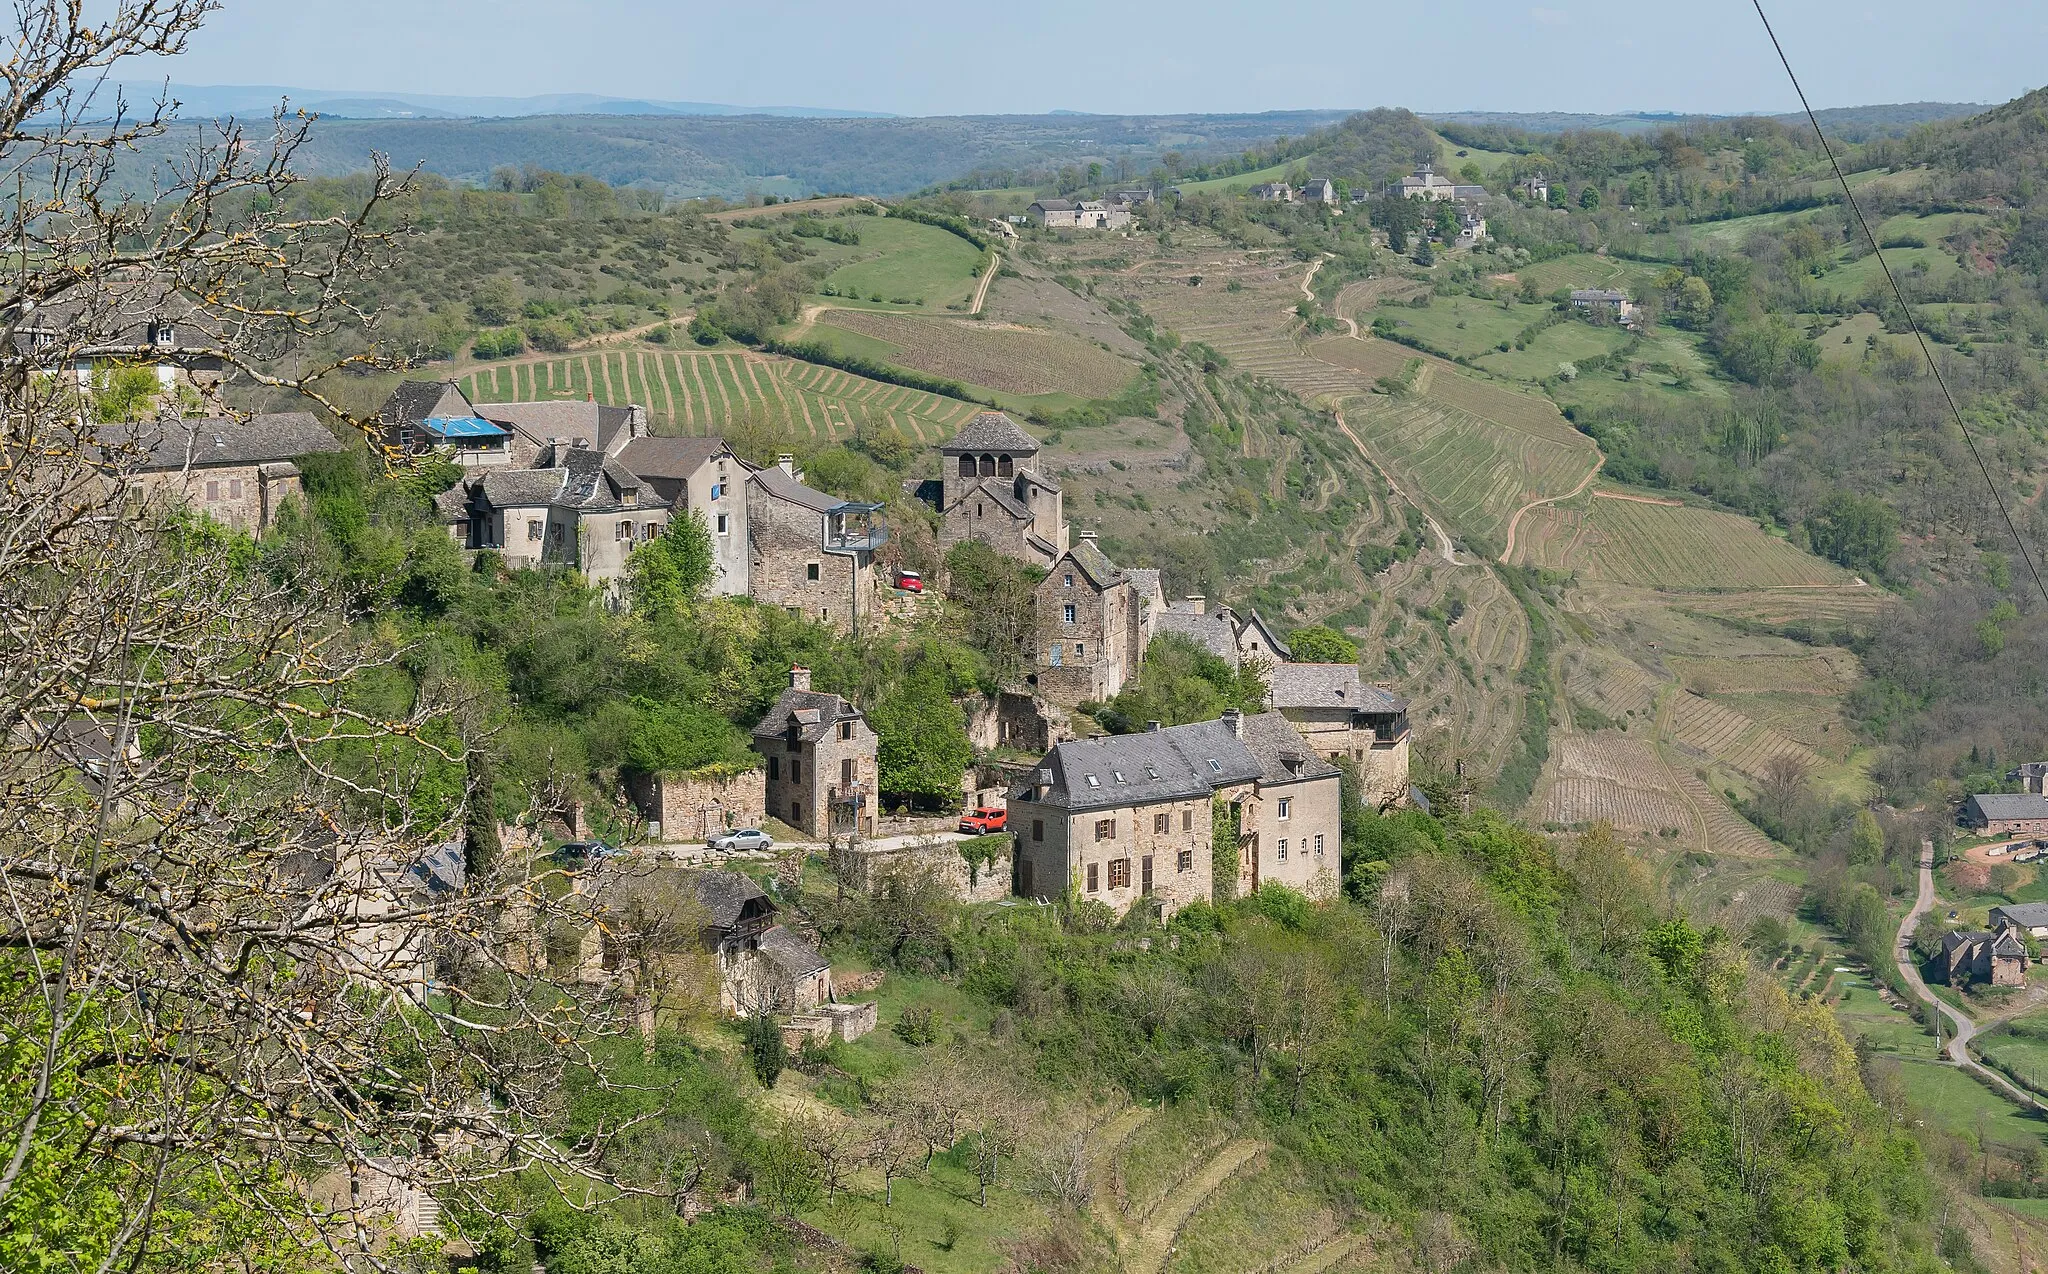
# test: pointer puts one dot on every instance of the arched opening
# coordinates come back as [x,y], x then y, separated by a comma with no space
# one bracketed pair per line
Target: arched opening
[1003,469]
[967,466]
[988,466]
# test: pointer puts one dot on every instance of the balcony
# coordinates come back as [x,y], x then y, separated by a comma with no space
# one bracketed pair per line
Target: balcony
[855,528]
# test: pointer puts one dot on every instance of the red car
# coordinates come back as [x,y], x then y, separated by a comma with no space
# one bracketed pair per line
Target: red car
[985,820]
[910,581]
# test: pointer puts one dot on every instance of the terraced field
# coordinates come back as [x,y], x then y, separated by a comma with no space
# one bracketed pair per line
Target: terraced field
[698,392]
[1616,777]
[1852,604]
[1670,547]
[1006,357]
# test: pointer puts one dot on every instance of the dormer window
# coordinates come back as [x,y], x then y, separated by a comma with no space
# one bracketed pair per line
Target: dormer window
[163,335]
[1151,772]
[1093,781]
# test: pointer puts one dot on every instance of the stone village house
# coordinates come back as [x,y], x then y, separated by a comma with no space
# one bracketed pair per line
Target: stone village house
[1342,717]
[812,554]
[1121,818]
[578,508]
[1998,957]
[237,472]
[2006,813]
[992,491]
[820,758]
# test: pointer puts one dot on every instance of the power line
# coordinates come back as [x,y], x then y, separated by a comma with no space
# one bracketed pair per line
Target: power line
[1849,197]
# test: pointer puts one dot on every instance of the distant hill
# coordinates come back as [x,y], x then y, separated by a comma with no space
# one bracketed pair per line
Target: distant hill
[730,156]
[260,99]
[1850,123]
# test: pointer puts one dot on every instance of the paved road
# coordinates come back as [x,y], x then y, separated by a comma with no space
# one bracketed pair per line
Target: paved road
[1962,1028]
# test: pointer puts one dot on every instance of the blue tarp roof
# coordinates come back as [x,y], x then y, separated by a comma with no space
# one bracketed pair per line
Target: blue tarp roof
[463,427]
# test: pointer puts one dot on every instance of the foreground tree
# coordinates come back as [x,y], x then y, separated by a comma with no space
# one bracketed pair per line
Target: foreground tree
[246,973]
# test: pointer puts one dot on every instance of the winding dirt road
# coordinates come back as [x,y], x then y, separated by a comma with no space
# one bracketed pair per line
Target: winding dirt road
[1963,1028]
[988,276]
[1515,522]
[1443,539]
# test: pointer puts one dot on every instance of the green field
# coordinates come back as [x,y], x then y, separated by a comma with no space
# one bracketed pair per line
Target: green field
[1567,342]
[1588,270]
[1450,157]
[1908,265]
[1243,181]
[1943,1095]
[911,266]
[1462,326]
[693,392]
[2020,1047]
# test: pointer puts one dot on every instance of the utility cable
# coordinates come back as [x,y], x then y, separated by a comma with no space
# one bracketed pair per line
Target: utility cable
[1897,294]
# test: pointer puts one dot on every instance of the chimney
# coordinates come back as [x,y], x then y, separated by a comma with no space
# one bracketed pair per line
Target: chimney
[1233,720]
[1088,536]
[1198,603]
[786,463]
[590,396]
[636,421]
[1152,727]
[799,677]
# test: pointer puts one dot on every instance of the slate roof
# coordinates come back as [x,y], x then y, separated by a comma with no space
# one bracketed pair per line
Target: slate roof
[595,423]
[815,713]
[1213,631]
[990,431]
[2027,915]
[1001,491]
[521,488]
[210,442]
[1961,938]
[118,315]
[676,458]
[1274,742]
[1144,582]
[1054,205]
[1327,686]
[783,487]
[1170,764]
[415,400]
[790,953]
[1032,477]
[1095,563]
[729,897]
[2009,805]
[1598,294]
[595,482]
[2008,943]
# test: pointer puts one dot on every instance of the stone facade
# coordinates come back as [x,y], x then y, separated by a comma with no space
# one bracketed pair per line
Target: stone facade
[237,472]
[1014,721]
[695,807]
[1344,717]
[246,497]
[992,491]
[863,868]
[1999,958]
[1089,636]
[810,553]
[702,475]
[1290,820]
[1162,849]
[2006,814]
[820,759]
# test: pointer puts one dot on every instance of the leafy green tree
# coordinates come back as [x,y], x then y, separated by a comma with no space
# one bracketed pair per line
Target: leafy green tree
[671,570]
[1320,644]
[1181,682]
[125,393]
[1589,198]
[495,302]
[766,1052]
[1857,531]
[993,594]
[923,749]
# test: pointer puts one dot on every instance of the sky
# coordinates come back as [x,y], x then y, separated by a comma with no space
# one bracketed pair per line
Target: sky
[922,57]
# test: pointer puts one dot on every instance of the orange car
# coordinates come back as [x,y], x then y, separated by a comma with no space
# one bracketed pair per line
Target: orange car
[985,820]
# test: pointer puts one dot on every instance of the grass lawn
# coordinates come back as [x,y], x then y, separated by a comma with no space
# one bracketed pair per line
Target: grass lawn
[1242,181]
[1450,157]
[2021,1046]
[904,263]
[1589,270]
[936,1222]
[1910,265]
[1463,325]
[1565,342]
[1930,229]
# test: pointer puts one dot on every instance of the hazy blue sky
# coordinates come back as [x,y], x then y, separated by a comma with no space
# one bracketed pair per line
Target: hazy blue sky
[917,57]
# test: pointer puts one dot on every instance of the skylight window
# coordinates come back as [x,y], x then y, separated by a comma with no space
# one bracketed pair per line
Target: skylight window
[1119,776]
[1216,765]
[1151,772]
[1093,781]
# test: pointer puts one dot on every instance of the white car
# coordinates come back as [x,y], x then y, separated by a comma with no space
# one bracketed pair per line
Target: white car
[746,838]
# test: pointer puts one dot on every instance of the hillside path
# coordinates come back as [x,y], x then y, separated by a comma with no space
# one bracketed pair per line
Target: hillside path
[988,276]
[1152,1244]
[1515,522]
[1449,553]
[1636,499]
[1964,1027]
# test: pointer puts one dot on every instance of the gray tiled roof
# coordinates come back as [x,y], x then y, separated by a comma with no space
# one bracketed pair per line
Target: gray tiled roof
[593,422]
[2027,915]
[783,487]
[990,431]
[415,400]
[1000,491]
[1282,754]
[790,953]
[211,442]
[815,711]
[1095,563]
[1327,686]
[729,897]
[676,458]
[1054,205]
[1144,582]
[1172,764]
[521,488]
[2009,805]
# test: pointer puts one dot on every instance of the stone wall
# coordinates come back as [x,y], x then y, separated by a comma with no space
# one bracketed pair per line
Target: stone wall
[246,497]
[980,518]
[821,769]
[785,545]
[863,869]
[696,807]
[1014,721]
[1086,660]
[1056,847]
[1273,850]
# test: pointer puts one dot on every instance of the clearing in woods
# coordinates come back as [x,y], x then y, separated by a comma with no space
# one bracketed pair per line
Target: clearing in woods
[695,393]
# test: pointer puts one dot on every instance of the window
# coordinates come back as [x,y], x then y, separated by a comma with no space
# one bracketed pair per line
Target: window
[1319,844]
[1094,880]
[1080,649]
[1105,829]
[622,530]
[718,493]
[1069,581]
[1286,807]
[1118,775]
[1054,656]
[1184,861]
[1145,874]
[796,770]
[213,490]
[1160,823]
[796,812]
[810,570]
[1119,873]
[1187,820]
[1067,613]
[722,528]
[533,528]
[774,767]
[1283,849]
[846,729]
[1093,781]
[234,488]
[1151,771]
[1215,765]
[1037,829]
[967,466]
[846,771]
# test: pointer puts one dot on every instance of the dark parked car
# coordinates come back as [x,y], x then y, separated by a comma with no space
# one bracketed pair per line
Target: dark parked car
[577,853]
